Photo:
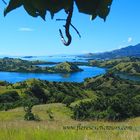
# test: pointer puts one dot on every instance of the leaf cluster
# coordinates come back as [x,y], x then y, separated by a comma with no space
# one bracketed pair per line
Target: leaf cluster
[40,8]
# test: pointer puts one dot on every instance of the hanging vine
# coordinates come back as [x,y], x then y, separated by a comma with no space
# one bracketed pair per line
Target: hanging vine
[40,8]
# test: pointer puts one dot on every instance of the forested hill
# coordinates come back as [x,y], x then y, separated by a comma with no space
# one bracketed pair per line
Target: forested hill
[123,52]
[19,65]
[104,97]
[126,65]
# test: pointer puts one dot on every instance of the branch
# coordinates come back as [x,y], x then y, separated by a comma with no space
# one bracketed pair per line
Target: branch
[67,27]
[75,30]
[71,26]
[4,2]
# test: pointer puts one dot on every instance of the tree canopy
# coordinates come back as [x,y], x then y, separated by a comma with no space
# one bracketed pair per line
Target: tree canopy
[40,8]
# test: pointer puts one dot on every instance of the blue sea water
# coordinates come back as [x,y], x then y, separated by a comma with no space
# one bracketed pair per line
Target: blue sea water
[14,77]
[57,58]
[87,72]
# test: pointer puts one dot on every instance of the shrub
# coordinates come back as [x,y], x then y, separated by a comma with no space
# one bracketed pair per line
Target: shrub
[118,107]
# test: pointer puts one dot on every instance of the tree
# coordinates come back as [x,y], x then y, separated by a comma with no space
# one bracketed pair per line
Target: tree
[40,8]
[28,105]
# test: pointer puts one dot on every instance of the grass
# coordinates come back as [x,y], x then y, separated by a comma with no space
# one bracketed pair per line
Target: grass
[3,89]
[13,126]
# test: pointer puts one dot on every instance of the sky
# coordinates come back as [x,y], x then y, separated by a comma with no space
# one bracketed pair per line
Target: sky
[21,34]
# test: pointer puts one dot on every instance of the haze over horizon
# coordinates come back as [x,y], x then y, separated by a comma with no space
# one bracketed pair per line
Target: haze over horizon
[22,35]
[60,54]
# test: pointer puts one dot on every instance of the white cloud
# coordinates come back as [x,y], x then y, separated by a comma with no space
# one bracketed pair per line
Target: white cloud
[125,43]
[129,40]
[25,29]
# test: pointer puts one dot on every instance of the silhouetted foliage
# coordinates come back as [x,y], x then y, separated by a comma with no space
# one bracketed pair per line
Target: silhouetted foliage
[40,8]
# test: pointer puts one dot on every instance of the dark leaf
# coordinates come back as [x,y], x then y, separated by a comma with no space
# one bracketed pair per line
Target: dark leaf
[29,8]
[13,4]
[94,7]
[104,8]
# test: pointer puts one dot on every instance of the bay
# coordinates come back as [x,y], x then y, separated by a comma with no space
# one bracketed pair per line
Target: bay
[87,72]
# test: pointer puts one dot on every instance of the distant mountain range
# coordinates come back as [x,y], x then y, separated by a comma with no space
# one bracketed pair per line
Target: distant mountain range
[123,52]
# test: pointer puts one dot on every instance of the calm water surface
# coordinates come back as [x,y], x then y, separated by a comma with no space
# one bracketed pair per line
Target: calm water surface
[72,77]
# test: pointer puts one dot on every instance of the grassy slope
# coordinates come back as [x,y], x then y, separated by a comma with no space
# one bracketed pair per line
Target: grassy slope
[127,65]
[19,65]
[13,127]
[4,89]
[132,68]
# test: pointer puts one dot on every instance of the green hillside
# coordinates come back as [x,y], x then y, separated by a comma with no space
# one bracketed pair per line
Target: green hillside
[126,65]
[67,67]
[131,68]
[104,107]
[19,65]
[104,97]
[13,126]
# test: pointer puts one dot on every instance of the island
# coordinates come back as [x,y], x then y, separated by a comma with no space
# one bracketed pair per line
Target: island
[28,56]
[19,65]
[67,67]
